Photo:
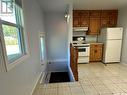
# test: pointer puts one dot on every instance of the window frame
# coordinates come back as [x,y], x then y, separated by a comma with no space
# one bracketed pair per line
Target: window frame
[7,2]
[21,44]
[20,60]
[41,34]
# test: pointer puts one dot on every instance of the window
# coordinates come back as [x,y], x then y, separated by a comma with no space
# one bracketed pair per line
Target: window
[12,31]
[13,42]
[5,14]
[7,6]
[42,45]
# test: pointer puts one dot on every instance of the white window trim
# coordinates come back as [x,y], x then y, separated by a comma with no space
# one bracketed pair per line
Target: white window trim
[19,60]
[41,34]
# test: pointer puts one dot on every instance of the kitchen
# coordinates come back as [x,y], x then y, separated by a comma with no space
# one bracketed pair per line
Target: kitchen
[93,31]
[94,28]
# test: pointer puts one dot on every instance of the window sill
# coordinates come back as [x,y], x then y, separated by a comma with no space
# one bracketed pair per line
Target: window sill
[9,66]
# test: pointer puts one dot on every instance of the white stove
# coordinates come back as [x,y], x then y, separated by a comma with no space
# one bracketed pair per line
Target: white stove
[82,45]
[83,52]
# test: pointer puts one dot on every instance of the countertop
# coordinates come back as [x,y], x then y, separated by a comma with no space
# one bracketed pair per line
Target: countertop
[95,43]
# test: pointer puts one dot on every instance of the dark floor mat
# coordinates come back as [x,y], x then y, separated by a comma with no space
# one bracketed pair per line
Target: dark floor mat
[57,77]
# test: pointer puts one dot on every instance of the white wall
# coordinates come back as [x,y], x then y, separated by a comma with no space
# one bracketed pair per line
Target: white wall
[56,36]
[56,41]
[122,21]
[21,79]
[70,33]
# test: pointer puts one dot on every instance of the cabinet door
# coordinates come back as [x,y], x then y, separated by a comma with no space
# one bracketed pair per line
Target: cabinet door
[113,13]
[112,21]
[95,13]
[84,13]
[113,16]
[94,28]
[104,22]
[91,53]
[76,22]
[104,14]
[76,13]
[98,54]
[84,22]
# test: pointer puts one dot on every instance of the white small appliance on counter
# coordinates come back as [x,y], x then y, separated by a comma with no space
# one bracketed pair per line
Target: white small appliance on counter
[112,39]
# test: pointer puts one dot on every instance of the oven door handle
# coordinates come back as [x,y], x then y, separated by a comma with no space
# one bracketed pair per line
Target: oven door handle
[83,47]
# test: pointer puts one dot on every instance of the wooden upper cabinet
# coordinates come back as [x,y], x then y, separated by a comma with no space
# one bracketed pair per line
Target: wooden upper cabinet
[95,19]
[76,18]
[113,13]
[109,18]
[76,21]
[109,13]
[104,22]
[94,27]
[95,13]
[104,14]
[112,22]
[80,18]
[84,22]
[76,13]
[85,13]
[113,16]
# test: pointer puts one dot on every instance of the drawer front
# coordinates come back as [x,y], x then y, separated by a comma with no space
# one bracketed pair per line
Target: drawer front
[94,46]
[98,46]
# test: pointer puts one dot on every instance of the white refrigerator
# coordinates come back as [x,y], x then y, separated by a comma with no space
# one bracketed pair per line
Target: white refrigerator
[112,39]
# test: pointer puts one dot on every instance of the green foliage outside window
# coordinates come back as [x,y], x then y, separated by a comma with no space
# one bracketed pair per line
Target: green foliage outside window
[10,34]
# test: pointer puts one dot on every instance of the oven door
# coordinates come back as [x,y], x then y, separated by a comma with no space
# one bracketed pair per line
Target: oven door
[83,51]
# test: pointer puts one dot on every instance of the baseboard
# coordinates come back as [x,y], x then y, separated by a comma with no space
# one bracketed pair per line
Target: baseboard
[58,60]
[123,64]
[43,77]
[39,78]
[71,75]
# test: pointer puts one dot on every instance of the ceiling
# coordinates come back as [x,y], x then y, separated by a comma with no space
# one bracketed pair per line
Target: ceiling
[54,5]
[60,5]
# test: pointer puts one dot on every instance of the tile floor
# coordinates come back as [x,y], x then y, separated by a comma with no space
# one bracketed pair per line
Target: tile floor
[94,79]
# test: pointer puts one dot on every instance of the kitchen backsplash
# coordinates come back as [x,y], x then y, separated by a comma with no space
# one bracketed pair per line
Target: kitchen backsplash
[91,38]
[88,38]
